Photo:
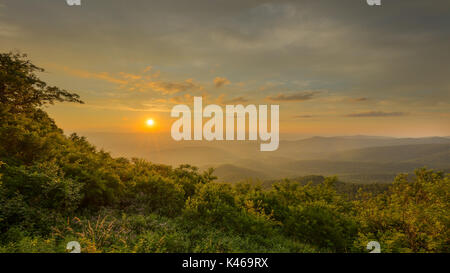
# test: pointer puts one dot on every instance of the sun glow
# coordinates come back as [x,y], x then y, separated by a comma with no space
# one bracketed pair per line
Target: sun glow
[150,122]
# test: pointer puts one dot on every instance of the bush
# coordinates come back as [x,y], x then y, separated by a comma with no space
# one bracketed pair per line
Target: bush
[36,196]
[321,225]
[410,217]
[157,194]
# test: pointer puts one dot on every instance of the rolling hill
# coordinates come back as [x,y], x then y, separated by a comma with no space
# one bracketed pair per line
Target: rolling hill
[359,159]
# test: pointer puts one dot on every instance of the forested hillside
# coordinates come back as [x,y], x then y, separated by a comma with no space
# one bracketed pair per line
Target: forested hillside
[56,188]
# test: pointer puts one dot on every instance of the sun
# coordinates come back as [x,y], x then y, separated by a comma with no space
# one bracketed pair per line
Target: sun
[150,122]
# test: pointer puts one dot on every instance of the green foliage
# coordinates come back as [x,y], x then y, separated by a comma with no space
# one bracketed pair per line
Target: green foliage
[320,224]
[20,87]
[312,214]
[410,217]
[158,194]
[33,196]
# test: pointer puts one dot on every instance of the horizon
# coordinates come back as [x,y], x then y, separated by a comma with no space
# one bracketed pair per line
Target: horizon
[283,136]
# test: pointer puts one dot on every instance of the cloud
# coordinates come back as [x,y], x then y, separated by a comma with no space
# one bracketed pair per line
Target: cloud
[184,99]
[167,87]
[359,99]
[300,96]
[255,40]
[126,108]
[304,116]
[129,76]
[139,82]
[221,81]
[237,100]
[104,76]
[8,30]
[376,114]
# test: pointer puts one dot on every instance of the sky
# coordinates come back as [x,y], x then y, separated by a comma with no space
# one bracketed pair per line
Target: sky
[334,67]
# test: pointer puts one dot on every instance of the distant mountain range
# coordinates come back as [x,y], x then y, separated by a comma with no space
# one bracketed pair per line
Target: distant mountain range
[361,159]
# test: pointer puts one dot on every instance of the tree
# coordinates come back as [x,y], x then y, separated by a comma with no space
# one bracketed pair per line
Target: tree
[410,217]
[22,90]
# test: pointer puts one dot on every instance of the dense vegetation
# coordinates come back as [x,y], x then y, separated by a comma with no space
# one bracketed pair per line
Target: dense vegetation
[56,188]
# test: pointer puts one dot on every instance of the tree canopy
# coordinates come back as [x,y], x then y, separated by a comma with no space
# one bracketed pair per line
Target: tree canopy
[22,89]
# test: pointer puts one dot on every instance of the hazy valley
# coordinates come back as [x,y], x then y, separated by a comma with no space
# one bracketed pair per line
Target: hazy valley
[358,159]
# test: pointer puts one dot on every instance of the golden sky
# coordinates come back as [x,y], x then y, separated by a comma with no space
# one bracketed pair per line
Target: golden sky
[334,67]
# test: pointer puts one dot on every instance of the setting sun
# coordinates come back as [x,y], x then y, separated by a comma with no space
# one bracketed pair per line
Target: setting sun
[150,122]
